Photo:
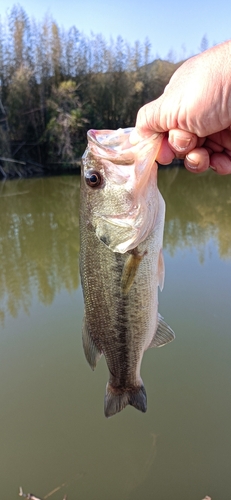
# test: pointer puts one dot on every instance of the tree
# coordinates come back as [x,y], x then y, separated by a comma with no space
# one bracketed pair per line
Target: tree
[56,53]
[20,103]
[204,45]
[20,38]
[66,121]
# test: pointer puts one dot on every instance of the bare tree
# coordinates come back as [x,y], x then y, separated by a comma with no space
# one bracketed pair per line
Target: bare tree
[204,45]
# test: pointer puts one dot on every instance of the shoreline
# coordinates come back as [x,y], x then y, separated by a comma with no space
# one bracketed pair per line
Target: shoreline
[13,169]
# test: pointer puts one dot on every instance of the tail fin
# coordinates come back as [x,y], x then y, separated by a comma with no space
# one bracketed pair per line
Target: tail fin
[116,400]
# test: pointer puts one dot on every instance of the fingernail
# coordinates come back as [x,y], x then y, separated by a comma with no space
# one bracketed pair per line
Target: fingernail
[180,143]
[191,163]
[213,168]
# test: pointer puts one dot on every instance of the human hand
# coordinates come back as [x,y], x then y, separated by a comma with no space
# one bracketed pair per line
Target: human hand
[195,113]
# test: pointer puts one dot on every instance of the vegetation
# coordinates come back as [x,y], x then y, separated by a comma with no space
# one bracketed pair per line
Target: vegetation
[56,84]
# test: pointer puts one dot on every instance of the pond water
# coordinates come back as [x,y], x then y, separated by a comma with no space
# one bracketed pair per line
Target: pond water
[54,437]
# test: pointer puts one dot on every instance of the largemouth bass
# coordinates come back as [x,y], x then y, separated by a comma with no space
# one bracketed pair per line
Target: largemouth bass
[121,263]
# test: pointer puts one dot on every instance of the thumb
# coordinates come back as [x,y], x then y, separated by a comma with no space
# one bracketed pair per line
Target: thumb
[157,116]
[181,141]
[149,118]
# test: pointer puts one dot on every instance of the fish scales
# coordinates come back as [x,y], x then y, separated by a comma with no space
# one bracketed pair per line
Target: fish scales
[120,268]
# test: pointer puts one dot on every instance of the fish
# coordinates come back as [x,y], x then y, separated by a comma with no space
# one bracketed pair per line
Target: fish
[122,215]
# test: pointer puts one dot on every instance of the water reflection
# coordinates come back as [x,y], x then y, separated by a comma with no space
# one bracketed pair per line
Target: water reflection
[39,240]
[198,209]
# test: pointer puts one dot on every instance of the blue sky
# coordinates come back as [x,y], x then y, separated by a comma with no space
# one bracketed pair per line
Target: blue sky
[170,25]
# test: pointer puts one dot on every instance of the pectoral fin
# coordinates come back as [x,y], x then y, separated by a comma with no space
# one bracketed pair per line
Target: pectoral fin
[130,269]
[91,351]
[161,270]
[163,335]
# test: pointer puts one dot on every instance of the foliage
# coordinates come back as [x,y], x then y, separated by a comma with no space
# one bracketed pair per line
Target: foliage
[66,121]
[55,84]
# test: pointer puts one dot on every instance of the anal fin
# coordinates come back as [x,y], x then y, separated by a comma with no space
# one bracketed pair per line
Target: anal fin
[163,335]
[90,350]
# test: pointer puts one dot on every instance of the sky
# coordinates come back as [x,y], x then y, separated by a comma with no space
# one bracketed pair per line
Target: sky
[174,26]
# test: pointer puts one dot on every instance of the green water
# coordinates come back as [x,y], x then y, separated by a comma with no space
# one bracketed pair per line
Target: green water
[54,435]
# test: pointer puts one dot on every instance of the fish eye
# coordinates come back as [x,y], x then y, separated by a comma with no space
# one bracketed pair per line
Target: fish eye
[93,178]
